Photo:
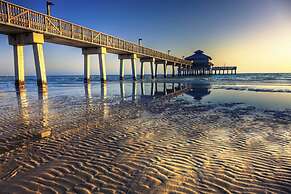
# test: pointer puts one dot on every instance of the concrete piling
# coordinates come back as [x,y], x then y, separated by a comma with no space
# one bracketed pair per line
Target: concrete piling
[86,68]
[18,64]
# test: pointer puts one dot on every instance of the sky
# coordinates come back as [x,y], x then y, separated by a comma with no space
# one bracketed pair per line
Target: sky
[254,35]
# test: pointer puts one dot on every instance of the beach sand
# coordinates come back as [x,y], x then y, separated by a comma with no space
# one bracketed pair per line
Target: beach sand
[142,144]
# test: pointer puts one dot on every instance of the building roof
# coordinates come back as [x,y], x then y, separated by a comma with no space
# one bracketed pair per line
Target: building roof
[198,55]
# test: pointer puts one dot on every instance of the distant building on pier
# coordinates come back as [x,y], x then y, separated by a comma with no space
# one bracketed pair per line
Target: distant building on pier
[202,65]
[200,60]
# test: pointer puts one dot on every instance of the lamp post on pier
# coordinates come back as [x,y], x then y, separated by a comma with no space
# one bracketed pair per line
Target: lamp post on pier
[139,41]
[48,7]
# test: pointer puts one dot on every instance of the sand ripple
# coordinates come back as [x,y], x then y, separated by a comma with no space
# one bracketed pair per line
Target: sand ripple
[166,145]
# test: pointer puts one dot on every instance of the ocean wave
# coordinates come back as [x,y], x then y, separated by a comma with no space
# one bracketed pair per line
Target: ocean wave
[275,77]
[246,88]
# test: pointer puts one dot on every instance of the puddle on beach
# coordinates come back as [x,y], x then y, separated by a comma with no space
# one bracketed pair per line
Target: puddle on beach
[145,137]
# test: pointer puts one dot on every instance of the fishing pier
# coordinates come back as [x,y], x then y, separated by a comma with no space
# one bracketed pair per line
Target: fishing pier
[28,27]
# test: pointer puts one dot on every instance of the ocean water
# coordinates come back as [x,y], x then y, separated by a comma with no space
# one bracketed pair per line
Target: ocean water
[217,134]
[272,90]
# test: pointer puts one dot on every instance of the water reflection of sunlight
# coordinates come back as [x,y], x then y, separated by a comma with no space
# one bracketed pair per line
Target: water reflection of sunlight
[134,90]
[44,108]
[22,104]
[88,96]
[147,89]
[89,105]
[104,106]
[87,87]
[122,94]
[160,89]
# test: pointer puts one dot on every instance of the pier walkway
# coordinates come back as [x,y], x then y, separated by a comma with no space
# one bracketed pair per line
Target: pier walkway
[27,27]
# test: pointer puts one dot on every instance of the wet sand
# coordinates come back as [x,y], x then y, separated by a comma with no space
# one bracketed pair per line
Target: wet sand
[154,141]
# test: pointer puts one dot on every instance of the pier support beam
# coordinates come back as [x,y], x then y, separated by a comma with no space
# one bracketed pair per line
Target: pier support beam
[156,70]
[164,63]
[133,67]
[121,70]
[37,41]
[179,70]
[39,64]
[18,64]
[141,70]
[147,60]
[87,68]
[102,64]
[101,52]
[173,70]
[133,58]
[152,69]
[165,69]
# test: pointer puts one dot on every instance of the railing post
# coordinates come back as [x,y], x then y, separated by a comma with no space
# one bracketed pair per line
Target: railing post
[92,36]
[60,26]
[72,31]
[45,23]
[8,12]
[82,32]
[28,17]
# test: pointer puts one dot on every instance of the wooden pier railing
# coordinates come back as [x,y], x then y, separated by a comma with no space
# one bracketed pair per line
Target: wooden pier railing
[29,20]
[224,68]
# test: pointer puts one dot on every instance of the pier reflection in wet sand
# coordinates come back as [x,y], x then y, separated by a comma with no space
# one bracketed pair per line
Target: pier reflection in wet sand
[42,110]
[44,107]
[22,104]
[150,139]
